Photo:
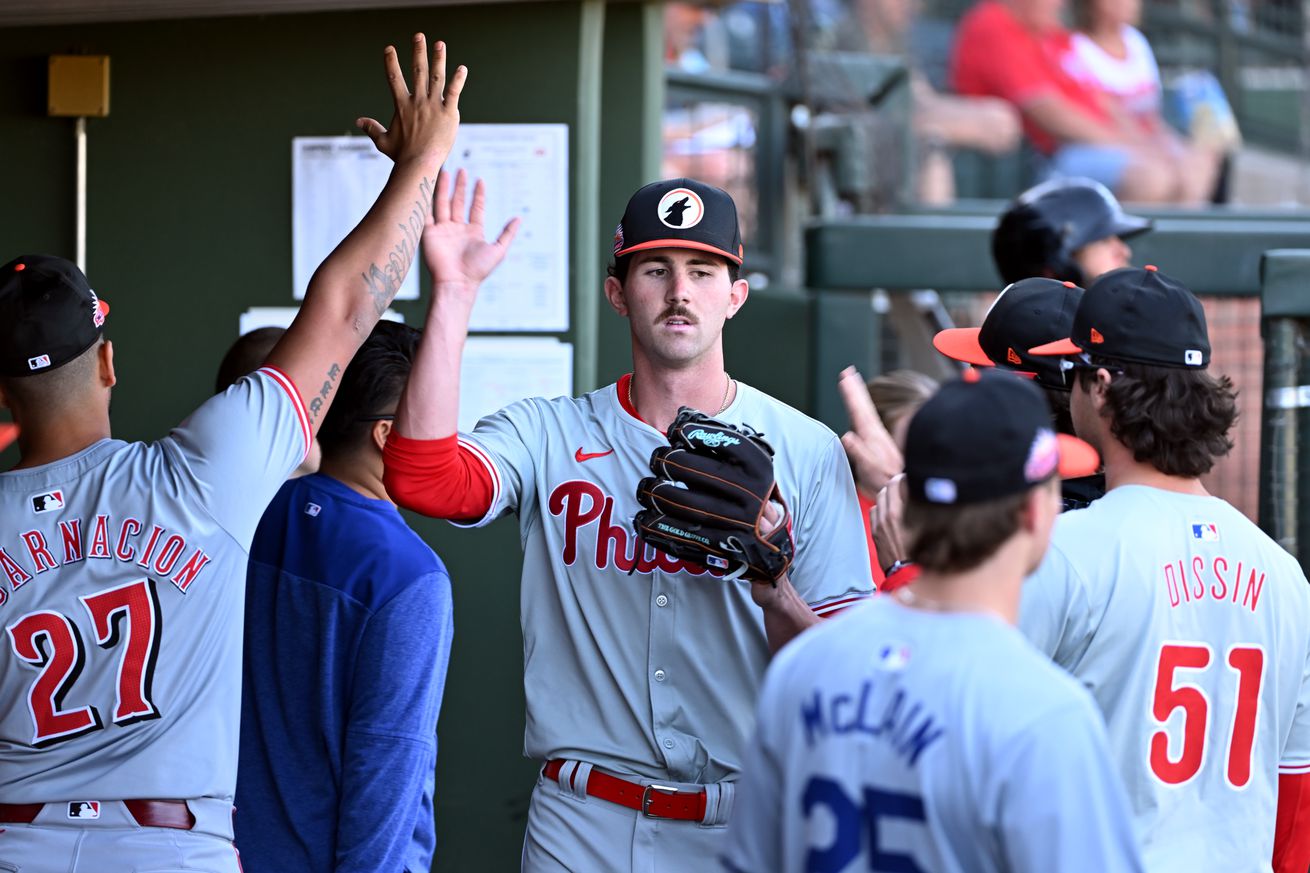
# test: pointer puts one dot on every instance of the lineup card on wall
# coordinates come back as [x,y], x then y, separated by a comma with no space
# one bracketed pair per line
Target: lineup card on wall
[526,171]
[334,181]
[497,371]
[525,168]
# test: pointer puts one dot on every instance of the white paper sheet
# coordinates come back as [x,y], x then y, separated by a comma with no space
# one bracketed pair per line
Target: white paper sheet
[334,182]
[500,370]
[525,167]
[526,171]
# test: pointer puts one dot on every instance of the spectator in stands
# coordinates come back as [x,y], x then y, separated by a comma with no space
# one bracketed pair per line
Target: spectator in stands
[1111,52]
[1014,49]
[941,122]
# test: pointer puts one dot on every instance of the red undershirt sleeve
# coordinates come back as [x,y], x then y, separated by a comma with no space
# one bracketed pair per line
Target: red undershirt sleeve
[438,478]
[1292,833]
[900,577]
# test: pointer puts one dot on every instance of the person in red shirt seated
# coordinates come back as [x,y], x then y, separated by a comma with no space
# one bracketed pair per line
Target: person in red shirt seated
[1015,50]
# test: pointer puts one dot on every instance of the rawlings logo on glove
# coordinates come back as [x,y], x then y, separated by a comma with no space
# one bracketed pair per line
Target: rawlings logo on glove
[707,501]
[713,440]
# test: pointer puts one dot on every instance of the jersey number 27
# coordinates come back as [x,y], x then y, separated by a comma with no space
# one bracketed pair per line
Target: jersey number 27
[127,616]
[1173,692]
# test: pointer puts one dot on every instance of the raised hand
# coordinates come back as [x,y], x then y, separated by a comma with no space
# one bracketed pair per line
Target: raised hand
[885,521]
[873,453]
[425,121]
[455,249]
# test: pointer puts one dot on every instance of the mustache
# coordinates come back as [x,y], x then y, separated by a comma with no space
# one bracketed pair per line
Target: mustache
[676,312]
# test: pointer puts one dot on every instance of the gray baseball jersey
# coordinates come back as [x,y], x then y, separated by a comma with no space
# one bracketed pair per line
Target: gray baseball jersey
[907,740]
[1191,629]
[122,579]
[633,661]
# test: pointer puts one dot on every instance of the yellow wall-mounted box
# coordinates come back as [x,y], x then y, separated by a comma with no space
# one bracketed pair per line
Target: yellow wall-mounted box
[79,85]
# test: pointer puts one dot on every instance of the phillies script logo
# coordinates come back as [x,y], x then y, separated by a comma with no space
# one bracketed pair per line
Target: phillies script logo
[713,439]
[589,518]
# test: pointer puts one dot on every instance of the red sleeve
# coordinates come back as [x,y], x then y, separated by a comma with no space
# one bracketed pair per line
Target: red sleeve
[904,575]
[438,478]
[866,506]
[1292,833]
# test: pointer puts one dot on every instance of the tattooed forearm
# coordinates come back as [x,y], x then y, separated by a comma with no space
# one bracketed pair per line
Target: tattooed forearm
[316,404]
[383,282]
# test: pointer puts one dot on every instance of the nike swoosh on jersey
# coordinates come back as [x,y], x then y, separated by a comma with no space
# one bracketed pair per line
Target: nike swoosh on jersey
[581,456]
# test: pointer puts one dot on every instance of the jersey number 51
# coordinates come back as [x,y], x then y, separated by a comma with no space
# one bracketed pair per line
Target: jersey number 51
[1173,692]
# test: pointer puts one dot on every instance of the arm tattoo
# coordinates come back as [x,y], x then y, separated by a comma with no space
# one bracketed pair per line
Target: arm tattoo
[383,282]
[316,404]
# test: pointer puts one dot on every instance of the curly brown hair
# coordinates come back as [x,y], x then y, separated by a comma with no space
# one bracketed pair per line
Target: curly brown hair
[1174,419]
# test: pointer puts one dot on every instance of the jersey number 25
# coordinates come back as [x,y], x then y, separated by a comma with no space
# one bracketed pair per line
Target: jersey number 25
[856,820]
[1173,692]
[52,644]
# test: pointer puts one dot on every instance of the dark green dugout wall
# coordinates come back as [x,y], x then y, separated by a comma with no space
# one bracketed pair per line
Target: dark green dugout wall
[189,224]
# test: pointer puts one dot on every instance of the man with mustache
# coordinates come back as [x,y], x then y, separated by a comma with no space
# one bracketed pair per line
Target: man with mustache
[640,671]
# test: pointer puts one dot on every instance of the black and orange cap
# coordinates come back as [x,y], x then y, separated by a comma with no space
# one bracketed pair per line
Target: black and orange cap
[48,314]
[1027,313]
[680,214]
[1137,314]
[985,436]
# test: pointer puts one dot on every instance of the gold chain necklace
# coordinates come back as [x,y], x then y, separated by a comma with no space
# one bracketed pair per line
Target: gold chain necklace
[727,390]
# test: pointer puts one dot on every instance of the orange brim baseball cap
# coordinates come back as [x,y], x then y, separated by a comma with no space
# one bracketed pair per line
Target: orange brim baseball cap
[961,344]
[680,214]
[988,435]
[1137,314]
[1077,457]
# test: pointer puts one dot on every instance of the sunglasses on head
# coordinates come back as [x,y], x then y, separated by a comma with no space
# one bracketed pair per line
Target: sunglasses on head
[1084,361]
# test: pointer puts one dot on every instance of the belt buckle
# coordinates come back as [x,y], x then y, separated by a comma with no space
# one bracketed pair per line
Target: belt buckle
[646,797]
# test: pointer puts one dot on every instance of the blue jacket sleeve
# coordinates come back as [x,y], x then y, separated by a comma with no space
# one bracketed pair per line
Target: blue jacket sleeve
[385,819]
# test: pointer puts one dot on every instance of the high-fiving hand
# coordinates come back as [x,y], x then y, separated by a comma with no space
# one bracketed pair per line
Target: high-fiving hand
[426,119]
[455,249]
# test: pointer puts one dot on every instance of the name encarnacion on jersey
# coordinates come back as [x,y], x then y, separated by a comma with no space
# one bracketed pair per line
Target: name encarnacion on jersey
[583,503]
[906,726]
[158,551]
[1211,579]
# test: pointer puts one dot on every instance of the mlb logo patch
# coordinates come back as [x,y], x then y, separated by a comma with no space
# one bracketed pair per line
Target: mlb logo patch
[716,562]
[40,362]
[1206,532]
[1192,357]
[893,656]
[48,502]
[312,509]
[84,809]
[939,490]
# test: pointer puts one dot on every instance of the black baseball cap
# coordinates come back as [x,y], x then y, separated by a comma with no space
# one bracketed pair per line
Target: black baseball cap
[1139,315]
[985,436]
[1027,313]
[680,214]
[48,314]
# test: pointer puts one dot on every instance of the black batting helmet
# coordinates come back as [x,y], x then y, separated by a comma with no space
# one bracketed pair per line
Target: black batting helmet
[1039,232]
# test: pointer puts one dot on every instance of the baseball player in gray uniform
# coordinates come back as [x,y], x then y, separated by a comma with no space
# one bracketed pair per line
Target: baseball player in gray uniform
[921,731]
[123,565]
[1190,626]
[640,672]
